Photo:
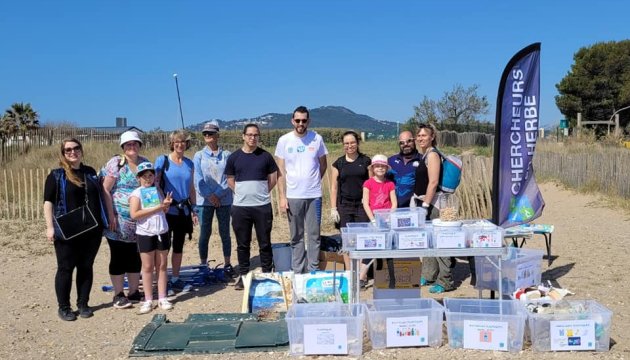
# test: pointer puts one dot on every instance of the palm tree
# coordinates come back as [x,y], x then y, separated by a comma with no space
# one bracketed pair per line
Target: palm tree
[20,117]
[23,116]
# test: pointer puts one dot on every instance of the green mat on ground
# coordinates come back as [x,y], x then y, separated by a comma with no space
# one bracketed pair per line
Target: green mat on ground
[211,334]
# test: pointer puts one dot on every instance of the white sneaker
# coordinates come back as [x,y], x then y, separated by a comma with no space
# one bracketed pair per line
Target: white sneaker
[146,307]
[165,304]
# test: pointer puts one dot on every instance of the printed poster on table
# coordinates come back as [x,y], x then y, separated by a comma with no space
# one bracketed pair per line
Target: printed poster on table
[485,335]
[572,335]
[323,339]
[407,331]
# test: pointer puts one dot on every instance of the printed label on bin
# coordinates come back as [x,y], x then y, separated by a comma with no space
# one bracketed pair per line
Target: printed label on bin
[323,339]
[404,220]
[450,239]
[412,240]
[485,335]
[570,335]
[407,331]
[371,241]
[491,238]
[526,273]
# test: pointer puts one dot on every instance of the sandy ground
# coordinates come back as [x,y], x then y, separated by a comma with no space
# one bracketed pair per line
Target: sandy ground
[590,258]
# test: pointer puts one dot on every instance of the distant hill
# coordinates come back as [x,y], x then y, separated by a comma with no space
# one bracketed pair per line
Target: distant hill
[321,117]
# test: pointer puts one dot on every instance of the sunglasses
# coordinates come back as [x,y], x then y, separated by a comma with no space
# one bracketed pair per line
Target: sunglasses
[300,121]
[71,149]
[405,142]
[209,134]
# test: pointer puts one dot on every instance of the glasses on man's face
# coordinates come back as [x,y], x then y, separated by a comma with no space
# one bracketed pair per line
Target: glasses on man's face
[68,150]
[300,121]
[209,134]
[405,142]
[252,135]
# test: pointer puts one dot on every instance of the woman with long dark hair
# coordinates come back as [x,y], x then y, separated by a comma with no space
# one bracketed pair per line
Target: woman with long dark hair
[65,190]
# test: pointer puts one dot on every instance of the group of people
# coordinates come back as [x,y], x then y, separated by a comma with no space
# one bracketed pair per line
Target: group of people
[146,209]
[410,178]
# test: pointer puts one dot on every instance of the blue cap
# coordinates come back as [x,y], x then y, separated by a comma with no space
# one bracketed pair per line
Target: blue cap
[144,166]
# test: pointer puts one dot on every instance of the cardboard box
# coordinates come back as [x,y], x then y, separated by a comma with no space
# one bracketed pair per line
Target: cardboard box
[407,274]
[329,260]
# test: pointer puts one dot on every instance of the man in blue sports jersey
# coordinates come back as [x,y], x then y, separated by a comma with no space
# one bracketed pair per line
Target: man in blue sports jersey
[251,174]
[403,168]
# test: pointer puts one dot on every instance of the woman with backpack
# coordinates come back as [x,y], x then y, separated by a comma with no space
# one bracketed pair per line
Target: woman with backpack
[119,180]
[174,173]
[436,271]
[68,188]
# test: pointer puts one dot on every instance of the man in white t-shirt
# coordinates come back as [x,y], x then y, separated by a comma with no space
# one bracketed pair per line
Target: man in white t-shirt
[301,158]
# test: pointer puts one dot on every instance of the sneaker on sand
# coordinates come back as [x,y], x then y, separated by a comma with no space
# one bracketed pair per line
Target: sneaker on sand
[146,307]
[165,304]
[66,314]
[229,272]
[179,286]
[121,301]
[136,297]
[239,284]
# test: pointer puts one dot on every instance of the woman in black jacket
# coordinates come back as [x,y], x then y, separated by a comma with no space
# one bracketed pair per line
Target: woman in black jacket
[65,190]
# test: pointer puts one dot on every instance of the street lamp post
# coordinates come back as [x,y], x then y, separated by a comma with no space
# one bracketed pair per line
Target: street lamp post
[613,115]
[179,101]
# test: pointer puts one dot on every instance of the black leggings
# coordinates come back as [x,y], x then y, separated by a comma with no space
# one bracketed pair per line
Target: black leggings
[178,227]
[78,253]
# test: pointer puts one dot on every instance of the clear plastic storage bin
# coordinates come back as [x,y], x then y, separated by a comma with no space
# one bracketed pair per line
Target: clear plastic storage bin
[403,218]
[324,329]
[521,268]
[404,322]
[571,325]
[485,324]
[364,236]
[483,234]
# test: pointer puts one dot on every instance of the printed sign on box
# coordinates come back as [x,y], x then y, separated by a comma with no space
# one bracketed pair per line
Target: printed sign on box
[572,335]
[407,331]
[403,220]
[449,239]
[491,238]
[485,335]
[412,240]
[323,339]
[371,241]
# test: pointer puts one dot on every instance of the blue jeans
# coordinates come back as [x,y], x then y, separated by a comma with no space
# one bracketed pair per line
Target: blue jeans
[206,213]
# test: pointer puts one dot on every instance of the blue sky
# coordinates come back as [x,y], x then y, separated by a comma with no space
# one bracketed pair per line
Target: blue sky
[87,62]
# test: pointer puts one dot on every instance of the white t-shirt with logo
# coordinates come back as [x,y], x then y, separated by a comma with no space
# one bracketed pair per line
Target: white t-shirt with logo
[153,224]
[301,160]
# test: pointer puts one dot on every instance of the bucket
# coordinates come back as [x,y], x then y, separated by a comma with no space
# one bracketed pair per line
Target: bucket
[281,256]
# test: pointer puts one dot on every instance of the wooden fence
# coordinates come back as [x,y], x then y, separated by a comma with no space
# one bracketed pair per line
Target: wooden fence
[22,191]
[608,171]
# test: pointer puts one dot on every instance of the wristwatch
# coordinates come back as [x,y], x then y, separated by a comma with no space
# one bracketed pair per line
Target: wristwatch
[425,205]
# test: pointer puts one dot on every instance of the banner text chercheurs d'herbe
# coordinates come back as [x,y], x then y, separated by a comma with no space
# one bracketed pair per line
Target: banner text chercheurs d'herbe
[523,107]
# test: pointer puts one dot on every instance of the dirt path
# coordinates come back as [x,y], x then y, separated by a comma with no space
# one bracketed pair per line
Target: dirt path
[589,242]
